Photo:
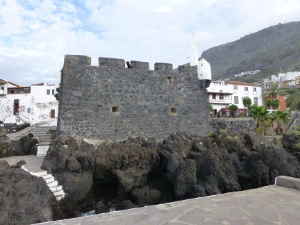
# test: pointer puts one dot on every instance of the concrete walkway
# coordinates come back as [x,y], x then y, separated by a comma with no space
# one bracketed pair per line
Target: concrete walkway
[33,162]
[268,205]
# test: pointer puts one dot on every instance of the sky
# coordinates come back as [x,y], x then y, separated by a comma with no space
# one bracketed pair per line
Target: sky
[35,35]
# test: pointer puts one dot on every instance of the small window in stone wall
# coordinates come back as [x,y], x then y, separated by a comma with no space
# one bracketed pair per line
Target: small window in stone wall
[170,80]
[115,109]
[173,111]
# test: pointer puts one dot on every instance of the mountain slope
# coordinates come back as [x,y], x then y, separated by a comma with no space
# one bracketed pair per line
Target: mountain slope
[271,50]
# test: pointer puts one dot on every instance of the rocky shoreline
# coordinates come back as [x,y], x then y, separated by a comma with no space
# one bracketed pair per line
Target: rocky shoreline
[138,172]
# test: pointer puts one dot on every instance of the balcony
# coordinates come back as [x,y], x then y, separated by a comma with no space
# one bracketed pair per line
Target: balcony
[220,101]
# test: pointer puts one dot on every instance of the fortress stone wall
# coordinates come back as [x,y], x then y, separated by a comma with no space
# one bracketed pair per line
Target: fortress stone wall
[111,102]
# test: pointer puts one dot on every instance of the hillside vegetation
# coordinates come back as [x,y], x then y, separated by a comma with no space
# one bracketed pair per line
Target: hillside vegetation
[271,50]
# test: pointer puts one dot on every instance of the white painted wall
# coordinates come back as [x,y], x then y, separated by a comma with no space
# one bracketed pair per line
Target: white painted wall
[34,107]
[204,70]
[228,94]
[241,92]
[220,95]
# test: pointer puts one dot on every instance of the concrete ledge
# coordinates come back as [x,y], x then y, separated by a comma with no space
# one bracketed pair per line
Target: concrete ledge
[288,182]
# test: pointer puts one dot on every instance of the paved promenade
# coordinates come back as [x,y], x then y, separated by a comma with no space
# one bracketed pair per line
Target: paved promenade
[263,206]
[33,162]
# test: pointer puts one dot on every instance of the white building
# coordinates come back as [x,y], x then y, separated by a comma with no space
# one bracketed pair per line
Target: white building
[281,77]
[222,94]
[35,104]
[243,89]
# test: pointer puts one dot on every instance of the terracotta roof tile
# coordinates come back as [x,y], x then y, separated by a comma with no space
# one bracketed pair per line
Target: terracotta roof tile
[2,81]
[242,83]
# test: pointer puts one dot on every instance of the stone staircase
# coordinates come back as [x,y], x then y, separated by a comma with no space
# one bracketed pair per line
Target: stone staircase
[50,181]
[44,140]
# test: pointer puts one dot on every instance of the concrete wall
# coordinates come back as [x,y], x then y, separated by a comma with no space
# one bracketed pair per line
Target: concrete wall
[147,103]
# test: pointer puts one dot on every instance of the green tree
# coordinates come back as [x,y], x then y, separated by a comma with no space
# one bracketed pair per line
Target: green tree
[293,100]
[262,117]
[233,108]
[211,109]
[275,104]
[273,90]
[247,102]
[269,103]
[280,117]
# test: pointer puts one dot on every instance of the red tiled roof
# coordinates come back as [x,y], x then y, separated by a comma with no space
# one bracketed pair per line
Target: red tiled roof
[242,83]
[2,81]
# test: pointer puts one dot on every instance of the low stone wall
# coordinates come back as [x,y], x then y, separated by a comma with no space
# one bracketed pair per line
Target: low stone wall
[288,182]
[233,124]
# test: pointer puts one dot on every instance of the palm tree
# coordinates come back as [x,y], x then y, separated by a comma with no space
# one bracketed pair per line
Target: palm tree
[280,117]
[261,114]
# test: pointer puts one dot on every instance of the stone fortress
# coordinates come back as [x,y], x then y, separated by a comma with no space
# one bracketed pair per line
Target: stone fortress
[111,102]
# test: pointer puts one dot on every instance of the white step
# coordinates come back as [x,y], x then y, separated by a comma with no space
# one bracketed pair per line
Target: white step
[47,176]
[58,198]
[59,187]
[40,174]
[58,193]
[49,180]
[54,189]
[52,184]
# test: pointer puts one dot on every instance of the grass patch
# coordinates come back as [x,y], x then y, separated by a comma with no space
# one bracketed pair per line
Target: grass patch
[214,144]
[297,145]
[210,133]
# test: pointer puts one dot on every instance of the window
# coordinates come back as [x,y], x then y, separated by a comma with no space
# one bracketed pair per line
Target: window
[2,88]
[12,91]
[255,100]
[235,88]
[246,90]
[48,91]
[52,91]
[236,100]
[213,96]
[173,111]
[221,97]
[254,91]
[115,109]
[170,80]
[52,113]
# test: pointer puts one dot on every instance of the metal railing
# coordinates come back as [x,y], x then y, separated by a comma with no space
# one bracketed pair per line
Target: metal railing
[292,121]
[7,115]
[23,117]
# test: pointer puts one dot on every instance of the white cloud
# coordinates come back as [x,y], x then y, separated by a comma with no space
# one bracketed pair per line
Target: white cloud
[35,35]
[163,9]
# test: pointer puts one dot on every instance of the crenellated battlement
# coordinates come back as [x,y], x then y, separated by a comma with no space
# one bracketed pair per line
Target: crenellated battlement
[117,99]
[115,63]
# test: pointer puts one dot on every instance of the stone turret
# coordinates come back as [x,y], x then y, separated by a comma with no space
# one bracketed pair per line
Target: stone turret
[204,73]
[203,67]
